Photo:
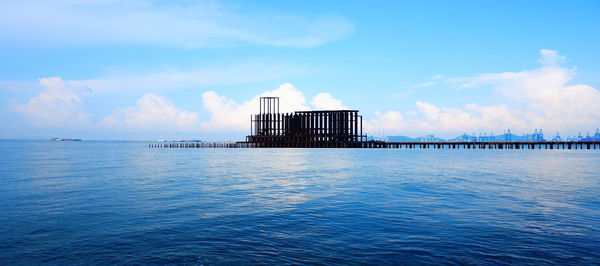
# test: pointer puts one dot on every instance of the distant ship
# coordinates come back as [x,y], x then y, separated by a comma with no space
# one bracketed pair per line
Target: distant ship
[59,139]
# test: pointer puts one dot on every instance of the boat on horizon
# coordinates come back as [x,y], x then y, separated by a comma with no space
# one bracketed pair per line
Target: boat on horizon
[59,139]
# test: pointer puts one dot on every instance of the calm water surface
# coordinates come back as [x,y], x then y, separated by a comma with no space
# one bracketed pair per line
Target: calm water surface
[120,202]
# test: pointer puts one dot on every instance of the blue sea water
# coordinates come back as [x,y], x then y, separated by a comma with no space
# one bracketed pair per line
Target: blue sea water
[101,202]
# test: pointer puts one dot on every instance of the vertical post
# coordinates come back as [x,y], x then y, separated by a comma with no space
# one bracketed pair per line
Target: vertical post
[351,126]
[361,129]
[311,120]
[321,127]
[347,125]
[356,126]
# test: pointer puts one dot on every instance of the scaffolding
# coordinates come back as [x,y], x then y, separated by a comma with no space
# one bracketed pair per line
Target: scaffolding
[327,128]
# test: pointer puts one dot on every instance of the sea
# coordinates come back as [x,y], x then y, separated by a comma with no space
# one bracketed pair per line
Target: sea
[117,202]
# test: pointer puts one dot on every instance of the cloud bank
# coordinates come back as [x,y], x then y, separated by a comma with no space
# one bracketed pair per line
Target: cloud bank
[226,114]
[59,105]
[538,98]
[154,112]
[324,101]
[151,112]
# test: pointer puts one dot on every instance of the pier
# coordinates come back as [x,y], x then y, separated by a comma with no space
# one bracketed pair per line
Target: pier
[592,145]
[343,129]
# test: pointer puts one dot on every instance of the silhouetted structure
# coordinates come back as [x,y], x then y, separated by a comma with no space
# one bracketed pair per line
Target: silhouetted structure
[270,128]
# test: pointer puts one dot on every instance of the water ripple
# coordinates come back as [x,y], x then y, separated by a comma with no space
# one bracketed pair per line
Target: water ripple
[122,203]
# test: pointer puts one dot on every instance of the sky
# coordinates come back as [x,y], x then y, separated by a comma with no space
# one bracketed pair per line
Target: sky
[140,69]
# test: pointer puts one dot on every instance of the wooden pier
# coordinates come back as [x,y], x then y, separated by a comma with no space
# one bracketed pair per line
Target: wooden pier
[588,145]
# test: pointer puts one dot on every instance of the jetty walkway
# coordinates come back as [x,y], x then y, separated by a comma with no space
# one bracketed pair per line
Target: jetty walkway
[587,145]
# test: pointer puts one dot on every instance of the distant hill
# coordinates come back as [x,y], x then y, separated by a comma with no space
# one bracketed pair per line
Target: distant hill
[460,138]
[402,139]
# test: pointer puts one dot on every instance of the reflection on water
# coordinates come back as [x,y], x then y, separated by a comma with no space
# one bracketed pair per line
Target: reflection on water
[109,202]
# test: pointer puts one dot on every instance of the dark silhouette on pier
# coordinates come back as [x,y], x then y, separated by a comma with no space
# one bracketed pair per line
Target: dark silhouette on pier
[305,129]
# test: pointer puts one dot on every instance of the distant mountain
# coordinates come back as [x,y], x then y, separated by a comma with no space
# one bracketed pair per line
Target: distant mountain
[402,139]
[461,138]
[409,139]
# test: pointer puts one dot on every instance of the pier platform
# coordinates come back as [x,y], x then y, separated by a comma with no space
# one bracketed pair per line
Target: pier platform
[589,145]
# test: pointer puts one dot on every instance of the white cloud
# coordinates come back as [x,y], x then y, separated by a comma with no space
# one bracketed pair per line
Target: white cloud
[188,24]
[324,101]
[152,112]
[539,98]
[430,119]
[61,102]
[226,114]
[423,84]
[391,121]
[427,83]
[550,102]
[550,57]
[60,105]
[438,76]
[471,117]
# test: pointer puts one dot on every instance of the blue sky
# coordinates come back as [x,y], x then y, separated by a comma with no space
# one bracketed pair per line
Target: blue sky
[194,69]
